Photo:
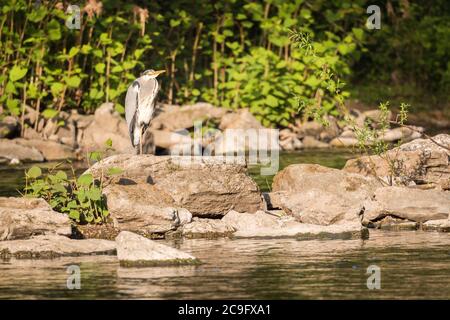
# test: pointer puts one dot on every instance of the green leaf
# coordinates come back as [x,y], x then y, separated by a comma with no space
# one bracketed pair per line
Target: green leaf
[49,113]
[100,67]
[73,81]
[54,30]
[114,171]
[17,73]
[271,101]
[94,194]
[85,179]
[58,187]
[74,214]
[34,172]
[73,52]
[61,175]
[95,156]
[56,88]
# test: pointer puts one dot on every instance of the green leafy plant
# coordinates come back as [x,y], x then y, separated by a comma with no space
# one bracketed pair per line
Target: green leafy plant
[81,198]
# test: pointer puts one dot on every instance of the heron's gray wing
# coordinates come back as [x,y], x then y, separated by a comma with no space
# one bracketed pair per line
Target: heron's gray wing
[131,107]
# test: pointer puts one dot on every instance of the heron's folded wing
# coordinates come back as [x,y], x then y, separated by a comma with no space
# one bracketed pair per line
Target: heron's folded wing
[131,102]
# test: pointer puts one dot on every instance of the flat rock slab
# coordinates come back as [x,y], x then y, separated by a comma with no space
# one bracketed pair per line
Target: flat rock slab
[134,250]
[263,225]
[21,218]
[407,203]
[303,231]
[442,225]
[53,246]
[11,149]
[207,228]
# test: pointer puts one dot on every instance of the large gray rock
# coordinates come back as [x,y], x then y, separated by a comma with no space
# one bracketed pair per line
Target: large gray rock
[134,250]
[263,225]
[144,209]
[11,150]
[242,119]
[319,195]
[53,246]
[173,118]
[312,143]
[21,218]
[407,203]
[206,186]
[401,133]
[207,228]
[107,124]
[421,161]
[51,150]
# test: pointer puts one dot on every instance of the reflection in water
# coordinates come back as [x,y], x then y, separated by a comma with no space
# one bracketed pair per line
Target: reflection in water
[413,265]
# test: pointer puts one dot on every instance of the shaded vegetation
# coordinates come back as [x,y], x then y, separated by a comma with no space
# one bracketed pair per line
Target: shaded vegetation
[234,53]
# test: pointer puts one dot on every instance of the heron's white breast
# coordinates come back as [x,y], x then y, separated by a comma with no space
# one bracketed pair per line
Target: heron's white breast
[146,113]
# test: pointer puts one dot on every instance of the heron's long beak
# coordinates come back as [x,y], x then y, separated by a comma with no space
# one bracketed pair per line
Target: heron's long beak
[157,73]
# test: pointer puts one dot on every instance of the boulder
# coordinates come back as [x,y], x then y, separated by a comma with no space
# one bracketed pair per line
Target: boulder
[173,118]
[54,246]
[144,209]
[11,150]
[207,228]
[49,149]
[319,195]
[312,143]
[107,124]
[407,203]
[134,251]
[404,134]
[344,142]
[291,144]
[421,162]
[21,218]
[310,128]
[9,127]
[376,115]
[242,119]
[206,186]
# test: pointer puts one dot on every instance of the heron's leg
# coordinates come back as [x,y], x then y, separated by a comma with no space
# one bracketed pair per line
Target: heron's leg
[141,131]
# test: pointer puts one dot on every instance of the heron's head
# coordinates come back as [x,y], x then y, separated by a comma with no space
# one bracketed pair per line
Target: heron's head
[151,74]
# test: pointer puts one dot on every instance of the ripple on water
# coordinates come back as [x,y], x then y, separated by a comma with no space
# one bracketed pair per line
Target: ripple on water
[414,265]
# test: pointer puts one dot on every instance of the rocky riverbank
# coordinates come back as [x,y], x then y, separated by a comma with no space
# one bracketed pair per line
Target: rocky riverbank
[209,197]
[73,135]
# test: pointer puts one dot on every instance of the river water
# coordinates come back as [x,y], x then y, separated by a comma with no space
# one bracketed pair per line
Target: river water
[412,264]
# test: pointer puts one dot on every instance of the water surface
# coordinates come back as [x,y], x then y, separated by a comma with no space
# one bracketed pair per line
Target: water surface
[414,265]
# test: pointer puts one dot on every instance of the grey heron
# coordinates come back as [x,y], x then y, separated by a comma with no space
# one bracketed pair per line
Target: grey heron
[140,106]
